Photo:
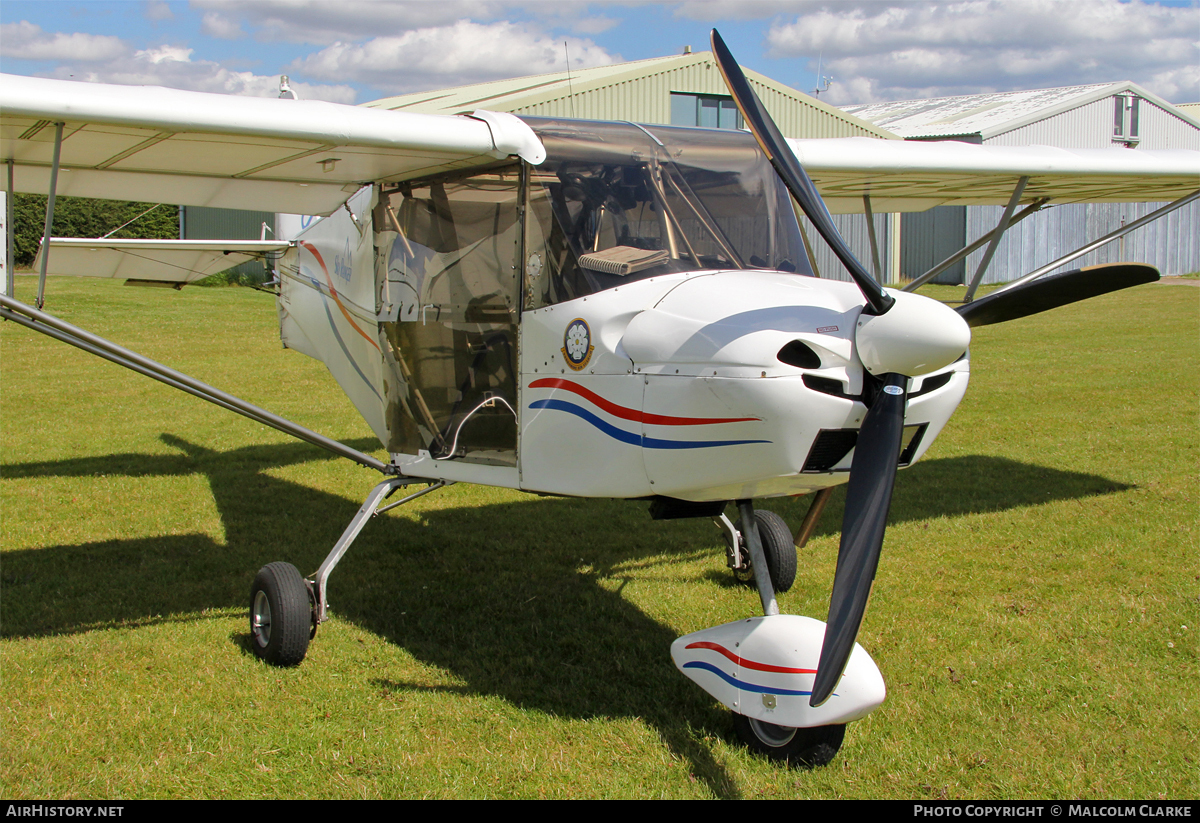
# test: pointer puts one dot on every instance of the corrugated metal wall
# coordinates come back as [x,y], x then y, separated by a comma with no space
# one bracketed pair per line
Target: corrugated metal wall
[929,237]
[1170,243]
[1086,127]
[1090,127]
[647,99]
[201,223]
[854,229]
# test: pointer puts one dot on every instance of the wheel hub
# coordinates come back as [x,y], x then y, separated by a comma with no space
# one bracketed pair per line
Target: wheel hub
[770,734]
[260,620]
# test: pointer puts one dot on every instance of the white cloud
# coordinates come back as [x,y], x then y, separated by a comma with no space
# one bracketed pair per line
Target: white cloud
[221,27]
[893,51]
[164,54]
[325,23]
[78,55]
[714,10]
[202,75]
[445,56]
[25,41]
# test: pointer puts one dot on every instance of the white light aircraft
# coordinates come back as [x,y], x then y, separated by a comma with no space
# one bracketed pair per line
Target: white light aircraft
[587,309]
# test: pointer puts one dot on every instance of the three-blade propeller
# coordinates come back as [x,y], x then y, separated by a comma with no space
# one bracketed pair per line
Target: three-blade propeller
[898,336]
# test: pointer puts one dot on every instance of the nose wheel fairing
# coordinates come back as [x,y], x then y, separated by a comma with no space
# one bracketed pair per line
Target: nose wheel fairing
[764,667]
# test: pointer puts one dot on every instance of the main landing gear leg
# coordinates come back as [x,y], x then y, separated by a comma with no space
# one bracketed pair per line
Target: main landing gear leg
[282,603]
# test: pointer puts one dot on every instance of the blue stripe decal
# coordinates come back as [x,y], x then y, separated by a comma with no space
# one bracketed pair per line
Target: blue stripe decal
[342,343]
[744,686]
[629,437]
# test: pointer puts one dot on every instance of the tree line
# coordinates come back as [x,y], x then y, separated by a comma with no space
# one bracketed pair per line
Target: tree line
[85,217]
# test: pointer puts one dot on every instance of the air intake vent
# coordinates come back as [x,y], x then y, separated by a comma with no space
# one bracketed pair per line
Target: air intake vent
[830,447]
[827,385]
[932,384]
[798,354]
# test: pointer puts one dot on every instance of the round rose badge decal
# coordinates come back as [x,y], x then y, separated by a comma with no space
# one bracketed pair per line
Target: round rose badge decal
[577,344]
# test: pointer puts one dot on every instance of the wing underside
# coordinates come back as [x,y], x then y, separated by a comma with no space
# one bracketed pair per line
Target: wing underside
[170,146]
[907,176]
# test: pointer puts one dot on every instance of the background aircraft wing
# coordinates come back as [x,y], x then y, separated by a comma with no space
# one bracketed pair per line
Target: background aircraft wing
[905,176]
[191,148]
[153,261]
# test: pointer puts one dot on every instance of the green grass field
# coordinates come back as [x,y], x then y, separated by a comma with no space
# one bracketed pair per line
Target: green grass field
[1035,614]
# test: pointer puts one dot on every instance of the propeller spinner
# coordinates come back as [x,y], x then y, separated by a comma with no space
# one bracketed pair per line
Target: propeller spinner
[897,336]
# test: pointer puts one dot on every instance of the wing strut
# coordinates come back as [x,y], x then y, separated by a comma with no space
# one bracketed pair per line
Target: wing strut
[976,244]
[1108,238]
[41,295]
[1001,227]
[73,335]
[10,282]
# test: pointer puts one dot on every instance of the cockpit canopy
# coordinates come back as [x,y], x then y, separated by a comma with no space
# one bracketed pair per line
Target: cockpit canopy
[615,202]
[459,256]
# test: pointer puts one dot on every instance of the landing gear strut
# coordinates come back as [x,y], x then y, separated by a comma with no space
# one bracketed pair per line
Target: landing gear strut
[285,608]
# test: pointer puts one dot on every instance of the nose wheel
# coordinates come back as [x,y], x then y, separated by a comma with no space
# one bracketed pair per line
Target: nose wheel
[777,546]
[805,748]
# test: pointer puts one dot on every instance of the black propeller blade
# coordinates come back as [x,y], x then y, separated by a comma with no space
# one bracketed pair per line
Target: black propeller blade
[876,455]
[868,497]
[793,174]
[1054,290]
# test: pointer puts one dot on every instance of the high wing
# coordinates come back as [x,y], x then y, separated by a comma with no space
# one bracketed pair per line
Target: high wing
[307,156]
[169,146]
[907,176]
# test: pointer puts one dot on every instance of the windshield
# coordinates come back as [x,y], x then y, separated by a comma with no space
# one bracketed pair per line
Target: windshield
[616,202]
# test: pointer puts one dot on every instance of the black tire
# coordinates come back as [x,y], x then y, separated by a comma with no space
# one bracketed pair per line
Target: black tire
[777,545]
[804,748]
[280,615]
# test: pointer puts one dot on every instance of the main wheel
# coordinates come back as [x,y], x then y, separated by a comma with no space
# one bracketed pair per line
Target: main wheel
[280,615]
[776,539]
[807,748]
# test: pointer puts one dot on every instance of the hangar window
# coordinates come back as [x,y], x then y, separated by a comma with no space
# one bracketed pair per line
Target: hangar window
[710,111]
[1125,118]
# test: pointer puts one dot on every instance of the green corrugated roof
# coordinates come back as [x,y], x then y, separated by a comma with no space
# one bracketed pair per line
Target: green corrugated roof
[636,91]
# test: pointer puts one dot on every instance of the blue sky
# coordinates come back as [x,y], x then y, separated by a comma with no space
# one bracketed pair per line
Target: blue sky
[354,51]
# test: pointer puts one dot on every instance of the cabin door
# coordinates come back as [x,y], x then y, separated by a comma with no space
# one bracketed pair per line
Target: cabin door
[449,305]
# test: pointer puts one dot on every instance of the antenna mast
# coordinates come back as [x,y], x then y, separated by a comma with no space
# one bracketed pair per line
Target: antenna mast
[823,83]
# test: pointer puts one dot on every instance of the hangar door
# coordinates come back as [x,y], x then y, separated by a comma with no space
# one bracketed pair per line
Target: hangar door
[929,237]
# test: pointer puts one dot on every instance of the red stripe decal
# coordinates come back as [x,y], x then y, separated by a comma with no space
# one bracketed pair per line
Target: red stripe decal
[627,413]
[333,292]
[749,664]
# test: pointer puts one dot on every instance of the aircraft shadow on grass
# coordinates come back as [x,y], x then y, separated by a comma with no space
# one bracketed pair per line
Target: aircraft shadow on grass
[494,593]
